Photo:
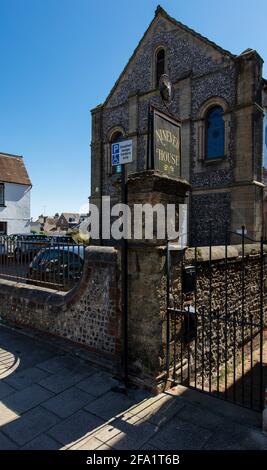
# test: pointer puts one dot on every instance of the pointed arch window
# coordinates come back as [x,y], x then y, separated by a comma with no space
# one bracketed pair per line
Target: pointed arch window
[215,133]
[160,65]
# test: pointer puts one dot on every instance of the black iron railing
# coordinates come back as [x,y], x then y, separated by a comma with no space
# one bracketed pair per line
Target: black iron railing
[216,327]
[52,262]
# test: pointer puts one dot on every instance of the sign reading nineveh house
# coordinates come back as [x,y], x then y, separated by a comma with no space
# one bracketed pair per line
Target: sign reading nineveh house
[166,144]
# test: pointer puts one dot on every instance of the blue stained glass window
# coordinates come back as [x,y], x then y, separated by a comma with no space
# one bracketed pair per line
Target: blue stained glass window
[215,133]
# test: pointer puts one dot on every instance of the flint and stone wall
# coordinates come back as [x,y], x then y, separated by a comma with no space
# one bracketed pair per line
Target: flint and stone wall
[88,315]
[148,303]
[219,286]
[203,75]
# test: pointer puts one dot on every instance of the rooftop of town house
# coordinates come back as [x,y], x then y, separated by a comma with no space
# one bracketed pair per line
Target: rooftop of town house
[13,170]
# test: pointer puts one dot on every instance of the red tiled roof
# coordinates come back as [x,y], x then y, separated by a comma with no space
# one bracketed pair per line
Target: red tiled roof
[13,170]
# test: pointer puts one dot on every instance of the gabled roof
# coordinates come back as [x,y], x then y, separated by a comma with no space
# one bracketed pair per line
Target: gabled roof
[13,170]
[161,12]
[68,215]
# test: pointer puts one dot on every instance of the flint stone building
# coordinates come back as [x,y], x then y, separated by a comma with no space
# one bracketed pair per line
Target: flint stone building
[217,98]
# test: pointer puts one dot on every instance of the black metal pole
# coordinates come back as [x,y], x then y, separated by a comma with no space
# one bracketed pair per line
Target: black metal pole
[262,262]
[148,160]
[101,184]
[168,267]
[226,313]
[124,280]
[210,303]
[150,145]
[243,315]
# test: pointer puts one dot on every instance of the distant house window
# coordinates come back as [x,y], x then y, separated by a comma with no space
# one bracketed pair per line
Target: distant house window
[2,194]
[3,228]
[117,137]
[215,133]
[160,65]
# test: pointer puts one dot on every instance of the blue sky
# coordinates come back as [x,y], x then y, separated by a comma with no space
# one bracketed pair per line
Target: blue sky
[59,59]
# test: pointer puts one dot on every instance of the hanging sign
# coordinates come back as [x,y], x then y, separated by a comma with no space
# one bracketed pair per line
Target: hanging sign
[166,144]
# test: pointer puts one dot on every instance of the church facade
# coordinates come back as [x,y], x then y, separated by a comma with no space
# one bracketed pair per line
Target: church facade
[218,100]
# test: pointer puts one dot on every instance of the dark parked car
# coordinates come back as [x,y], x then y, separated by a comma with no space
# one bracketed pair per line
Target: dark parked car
[57,264]
[25,246]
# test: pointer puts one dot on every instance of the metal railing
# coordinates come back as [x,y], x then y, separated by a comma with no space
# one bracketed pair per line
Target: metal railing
[47,261]
[216,336]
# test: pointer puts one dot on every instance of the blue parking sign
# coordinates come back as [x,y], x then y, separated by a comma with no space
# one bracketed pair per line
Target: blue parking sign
[115,154]
[121,152]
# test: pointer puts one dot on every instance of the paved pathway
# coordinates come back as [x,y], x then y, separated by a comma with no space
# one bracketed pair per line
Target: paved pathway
[53,400]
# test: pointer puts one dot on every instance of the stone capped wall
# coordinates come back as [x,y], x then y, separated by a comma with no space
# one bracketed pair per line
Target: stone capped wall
[225,319]
[228,332]
[88,315]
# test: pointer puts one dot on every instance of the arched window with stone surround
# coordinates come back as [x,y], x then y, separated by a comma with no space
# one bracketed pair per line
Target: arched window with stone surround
[215,133]
[213,130]
[160,65]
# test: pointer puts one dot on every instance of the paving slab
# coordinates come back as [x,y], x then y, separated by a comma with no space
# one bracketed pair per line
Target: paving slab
[104,447]
[181,435]
[75,427]
[109,405]
[26,377]
[133,432]
[42,442]
[88,444]
[231,435]
[148,446]
[30,425]
[217,406]
[6,443]
[98,383]
[106,432]
[29,354]
[27,398]
[52,400]
[158,410]
[7,415]
[68,402]
[59,362]
[201,417]
[65,378]
[5,390]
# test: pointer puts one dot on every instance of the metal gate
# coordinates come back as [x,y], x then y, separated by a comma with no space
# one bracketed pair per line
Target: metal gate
[215,333]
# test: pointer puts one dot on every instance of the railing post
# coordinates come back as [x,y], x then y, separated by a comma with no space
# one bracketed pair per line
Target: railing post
[261,323]
[264,415]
